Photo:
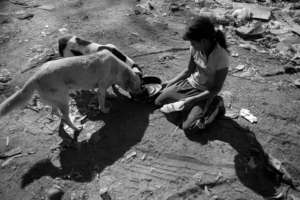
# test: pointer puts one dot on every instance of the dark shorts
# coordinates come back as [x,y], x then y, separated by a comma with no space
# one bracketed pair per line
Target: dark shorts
[186,119]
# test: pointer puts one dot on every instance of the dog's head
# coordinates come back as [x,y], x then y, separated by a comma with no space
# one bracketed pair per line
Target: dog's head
[137,70]
[132,81]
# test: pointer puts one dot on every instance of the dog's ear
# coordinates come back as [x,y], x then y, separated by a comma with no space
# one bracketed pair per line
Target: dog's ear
[82,42]
[62,44]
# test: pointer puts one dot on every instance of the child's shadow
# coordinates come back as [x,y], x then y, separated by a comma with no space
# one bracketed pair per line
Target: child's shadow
[124,127]
[251,162]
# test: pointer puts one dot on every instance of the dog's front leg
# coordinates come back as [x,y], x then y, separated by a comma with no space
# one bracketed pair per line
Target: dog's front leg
[101,94]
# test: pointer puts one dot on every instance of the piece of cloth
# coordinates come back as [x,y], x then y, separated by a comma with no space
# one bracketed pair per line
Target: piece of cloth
[203,76]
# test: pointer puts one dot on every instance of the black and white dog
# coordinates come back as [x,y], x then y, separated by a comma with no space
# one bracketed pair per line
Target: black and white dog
[74,46]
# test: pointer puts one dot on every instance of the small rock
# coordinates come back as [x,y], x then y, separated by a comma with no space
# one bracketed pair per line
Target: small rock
[55,193]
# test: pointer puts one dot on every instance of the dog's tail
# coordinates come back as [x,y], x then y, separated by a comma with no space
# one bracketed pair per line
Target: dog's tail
[18,99]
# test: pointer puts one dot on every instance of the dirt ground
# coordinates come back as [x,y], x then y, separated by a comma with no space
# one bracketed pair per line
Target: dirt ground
[134,152]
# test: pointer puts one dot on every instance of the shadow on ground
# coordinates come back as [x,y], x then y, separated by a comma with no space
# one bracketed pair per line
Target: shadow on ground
[124,127]
[251,162]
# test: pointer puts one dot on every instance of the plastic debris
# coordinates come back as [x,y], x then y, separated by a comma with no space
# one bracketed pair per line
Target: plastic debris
[249,46]
[234,54]
[242,14]
[10,153]
[63,30]
[104,194]
[297,83]
[47,7]
[257,11]
[254,31]
[245,113]
[24,15]
[7,141]
[55,193]
[232,114]
[131,155]
[7,161]
[240,67]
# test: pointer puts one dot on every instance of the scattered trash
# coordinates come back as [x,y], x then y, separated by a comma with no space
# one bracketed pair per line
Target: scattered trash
[232,114]
[297,83]
[47,7]
[249,46]
[228,98]
[274,25]
[143,157]
[252,31]
[22,3]
[5,76]
[234,54]
[257,11]
[174,7]
[24,15]
[63,30]
[242,14]
[204,178]
[10,153]
[7,141]
[55,193]
[142,9]
[104,194]
[207,192]
[165,58]
[240,67]
[249,73]
[291,69]
[131,155]
[7,161]
[245,113]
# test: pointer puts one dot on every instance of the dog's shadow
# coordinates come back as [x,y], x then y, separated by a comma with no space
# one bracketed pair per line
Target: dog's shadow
[124,127]
[252,164]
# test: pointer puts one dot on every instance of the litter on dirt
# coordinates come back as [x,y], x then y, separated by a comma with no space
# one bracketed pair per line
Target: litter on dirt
[10,153]
[7,161]
[240,67]
[297,83]
[245,113]
[131,155]
[55,193]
